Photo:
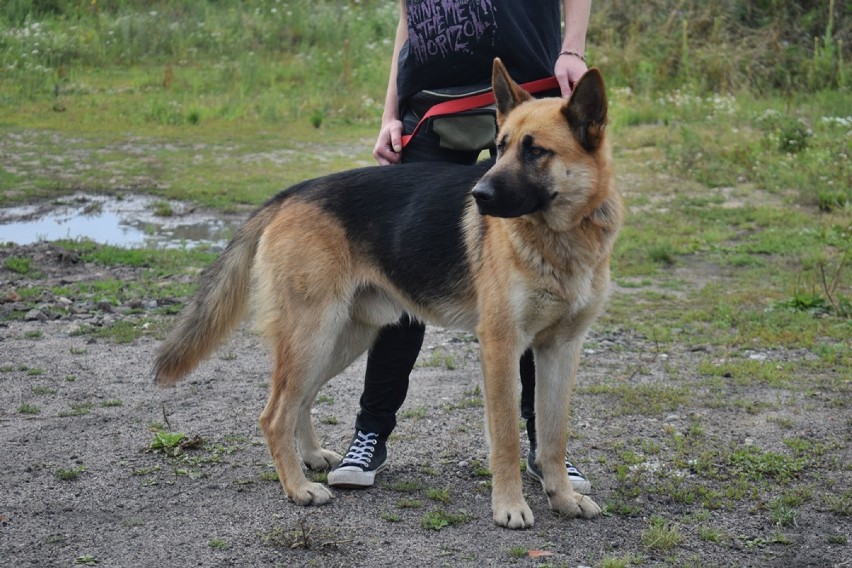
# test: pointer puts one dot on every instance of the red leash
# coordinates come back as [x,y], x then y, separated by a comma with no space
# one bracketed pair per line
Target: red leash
[475,101]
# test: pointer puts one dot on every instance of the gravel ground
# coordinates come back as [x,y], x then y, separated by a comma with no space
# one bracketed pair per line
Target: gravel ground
[80,484]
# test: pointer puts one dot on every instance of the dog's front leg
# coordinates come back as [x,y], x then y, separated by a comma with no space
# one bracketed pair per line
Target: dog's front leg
[556,364]
[500,372]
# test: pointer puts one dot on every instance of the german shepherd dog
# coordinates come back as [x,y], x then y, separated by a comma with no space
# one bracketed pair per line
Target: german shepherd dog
[517,252]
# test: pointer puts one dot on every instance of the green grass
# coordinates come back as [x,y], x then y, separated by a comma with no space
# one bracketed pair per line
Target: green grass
[439,359]
[390,517]
[481,470]
[623,561]
[163,261]
[714,535]
[69,474]
[77,409]
[661,536]
[123,331]
[414,413]
[517,552]
[757,465]
[841,504]
[29,409]
[407,486]
[439,519]
[17,264]
[206,85]
[641,399]
[783,514]
[441,495]
[700,472]
[270,475]
[471,399]
[164,275]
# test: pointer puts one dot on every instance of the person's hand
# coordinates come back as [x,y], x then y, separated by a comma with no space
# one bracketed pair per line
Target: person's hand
[568,70]
[388,149]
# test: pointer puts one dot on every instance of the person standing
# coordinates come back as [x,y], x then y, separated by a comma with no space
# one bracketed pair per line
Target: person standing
[449,46]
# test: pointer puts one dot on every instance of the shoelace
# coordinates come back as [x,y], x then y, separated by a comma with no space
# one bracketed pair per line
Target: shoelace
[361,451]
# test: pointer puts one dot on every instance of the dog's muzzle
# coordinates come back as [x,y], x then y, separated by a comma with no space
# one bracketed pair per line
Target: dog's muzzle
[497,200]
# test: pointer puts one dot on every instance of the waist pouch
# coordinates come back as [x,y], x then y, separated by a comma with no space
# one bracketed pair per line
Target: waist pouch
[464,130]
[464,118]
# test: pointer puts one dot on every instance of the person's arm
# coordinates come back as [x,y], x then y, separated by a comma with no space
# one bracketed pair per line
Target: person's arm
[388,149]
[570,64]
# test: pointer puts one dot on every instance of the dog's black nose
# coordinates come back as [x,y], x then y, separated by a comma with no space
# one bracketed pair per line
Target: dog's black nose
[483,192]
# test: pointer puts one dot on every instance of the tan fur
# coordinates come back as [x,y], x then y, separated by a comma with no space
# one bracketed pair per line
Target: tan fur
[538,280]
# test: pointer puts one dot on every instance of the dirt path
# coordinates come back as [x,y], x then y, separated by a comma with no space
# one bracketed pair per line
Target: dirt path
[80,485]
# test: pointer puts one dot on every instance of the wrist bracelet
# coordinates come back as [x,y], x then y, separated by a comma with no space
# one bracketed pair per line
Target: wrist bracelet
[574,53]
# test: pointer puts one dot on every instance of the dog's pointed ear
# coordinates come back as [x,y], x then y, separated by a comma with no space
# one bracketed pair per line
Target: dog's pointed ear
[507,93]
[586,110]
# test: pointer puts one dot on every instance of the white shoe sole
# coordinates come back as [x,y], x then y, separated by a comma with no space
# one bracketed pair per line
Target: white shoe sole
[349,477]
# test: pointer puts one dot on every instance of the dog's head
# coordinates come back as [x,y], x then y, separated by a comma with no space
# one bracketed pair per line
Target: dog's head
[550,152]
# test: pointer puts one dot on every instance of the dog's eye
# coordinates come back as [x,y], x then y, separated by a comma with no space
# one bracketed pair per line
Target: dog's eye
[536,152]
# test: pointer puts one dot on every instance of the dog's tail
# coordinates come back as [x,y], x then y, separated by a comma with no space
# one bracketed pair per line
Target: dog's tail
[217,306]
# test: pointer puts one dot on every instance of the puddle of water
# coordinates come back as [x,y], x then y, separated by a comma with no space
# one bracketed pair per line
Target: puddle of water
[129,221]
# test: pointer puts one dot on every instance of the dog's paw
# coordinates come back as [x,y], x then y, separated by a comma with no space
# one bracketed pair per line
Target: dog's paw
[310,494]
[575,505]
[514,515]
[589,509]
[321,459]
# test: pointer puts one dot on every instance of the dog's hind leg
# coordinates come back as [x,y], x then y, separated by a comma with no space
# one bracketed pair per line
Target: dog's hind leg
[307,354]
[351,343]
[290,386]
[556,374]
[313,454]
[303,290]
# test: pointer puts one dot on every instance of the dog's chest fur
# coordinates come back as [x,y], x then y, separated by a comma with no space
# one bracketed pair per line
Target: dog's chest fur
[561,271]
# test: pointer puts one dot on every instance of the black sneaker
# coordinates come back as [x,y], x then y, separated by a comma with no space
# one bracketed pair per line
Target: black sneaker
[366,457]
[578,480]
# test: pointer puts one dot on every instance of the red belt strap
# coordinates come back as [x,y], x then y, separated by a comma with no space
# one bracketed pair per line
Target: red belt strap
[475,101]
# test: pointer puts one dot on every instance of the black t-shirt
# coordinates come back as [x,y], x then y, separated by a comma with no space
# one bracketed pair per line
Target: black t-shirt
[453,43]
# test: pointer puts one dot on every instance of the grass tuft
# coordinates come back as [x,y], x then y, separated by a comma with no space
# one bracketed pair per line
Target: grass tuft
[439,519]
[661,536]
